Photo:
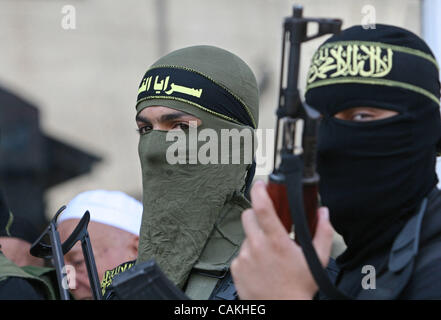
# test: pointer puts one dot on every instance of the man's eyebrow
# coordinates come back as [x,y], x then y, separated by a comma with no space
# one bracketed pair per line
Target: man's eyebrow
[165,117]
[174,116]
[142,119]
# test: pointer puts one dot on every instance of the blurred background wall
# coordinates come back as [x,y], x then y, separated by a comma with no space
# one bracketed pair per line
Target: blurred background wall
[84,80]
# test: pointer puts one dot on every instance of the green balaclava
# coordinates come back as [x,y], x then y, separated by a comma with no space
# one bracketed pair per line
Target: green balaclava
[192,209]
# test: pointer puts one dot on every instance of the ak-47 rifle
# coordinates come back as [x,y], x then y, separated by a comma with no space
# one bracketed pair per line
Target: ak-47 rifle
[56,251]
[293,184]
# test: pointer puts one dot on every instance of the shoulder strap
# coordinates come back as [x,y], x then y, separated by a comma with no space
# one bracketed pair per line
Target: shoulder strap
[401,260]
[292,167]
[333,270]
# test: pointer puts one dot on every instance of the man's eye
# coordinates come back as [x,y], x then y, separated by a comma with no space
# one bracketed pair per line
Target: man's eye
[144,130]
[182,126]
[361,117]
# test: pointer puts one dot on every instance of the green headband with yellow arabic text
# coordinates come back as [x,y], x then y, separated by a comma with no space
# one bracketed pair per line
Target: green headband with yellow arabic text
[194,88]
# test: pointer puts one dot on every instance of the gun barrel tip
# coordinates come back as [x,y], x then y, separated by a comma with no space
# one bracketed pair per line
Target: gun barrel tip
[297,10]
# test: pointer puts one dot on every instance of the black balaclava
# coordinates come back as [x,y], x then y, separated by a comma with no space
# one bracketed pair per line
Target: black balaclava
[375,174]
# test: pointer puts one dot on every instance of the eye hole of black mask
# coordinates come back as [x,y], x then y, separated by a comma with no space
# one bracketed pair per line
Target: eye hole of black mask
[373,113]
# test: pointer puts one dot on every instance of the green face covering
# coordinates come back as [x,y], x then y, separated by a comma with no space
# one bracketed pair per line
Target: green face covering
[184,202]
[191,216]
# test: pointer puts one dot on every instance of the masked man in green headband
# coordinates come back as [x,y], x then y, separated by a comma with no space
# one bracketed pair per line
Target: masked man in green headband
[197,110]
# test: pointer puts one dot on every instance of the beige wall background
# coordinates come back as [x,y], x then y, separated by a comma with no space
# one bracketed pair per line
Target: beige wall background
[85,80]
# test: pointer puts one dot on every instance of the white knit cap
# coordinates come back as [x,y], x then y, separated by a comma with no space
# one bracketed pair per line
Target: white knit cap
[113,208]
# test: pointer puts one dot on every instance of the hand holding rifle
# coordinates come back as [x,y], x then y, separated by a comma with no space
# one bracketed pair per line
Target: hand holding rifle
[270,265]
